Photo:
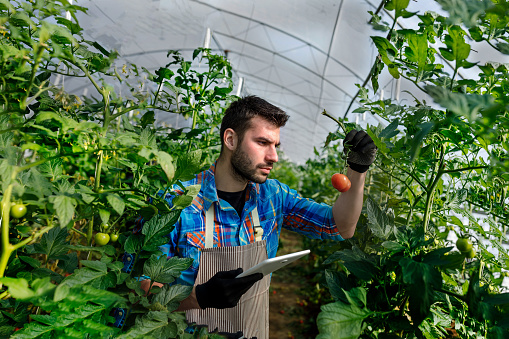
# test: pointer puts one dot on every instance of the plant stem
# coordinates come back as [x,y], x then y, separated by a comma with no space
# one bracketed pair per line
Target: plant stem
[98,168]
[336,120]
[452,294]
[7,247]
[79,232]
[464,169]
[32,237]
[37,60]
[430,191]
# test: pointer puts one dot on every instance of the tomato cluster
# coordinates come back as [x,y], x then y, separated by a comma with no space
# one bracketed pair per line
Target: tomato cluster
[465,246]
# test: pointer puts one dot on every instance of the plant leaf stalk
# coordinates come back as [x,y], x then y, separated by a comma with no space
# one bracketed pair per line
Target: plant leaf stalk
[430,191]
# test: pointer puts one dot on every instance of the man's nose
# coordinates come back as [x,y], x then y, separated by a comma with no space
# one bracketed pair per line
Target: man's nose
[272,155]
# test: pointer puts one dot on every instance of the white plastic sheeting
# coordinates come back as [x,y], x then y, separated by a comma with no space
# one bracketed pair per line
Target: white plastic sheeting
[301,55]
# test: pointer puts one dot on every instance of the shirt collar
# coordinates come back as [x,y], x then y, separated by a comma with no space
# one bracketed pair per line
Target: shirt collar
[210,190]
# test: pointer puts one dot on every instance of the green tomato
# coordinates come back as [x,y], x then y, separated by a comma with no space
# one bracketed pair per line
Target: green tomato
[470,254]
[464,245]
[18,211]
[102,239]
[114,237]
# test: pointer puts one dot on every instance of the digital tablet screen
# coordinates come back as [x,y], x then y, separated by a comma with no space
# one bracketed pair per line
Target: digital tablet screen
[270,265]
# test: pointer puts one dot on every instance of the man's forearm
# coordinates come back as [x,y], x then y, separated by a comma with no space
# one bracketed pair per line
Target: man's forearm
[348,206]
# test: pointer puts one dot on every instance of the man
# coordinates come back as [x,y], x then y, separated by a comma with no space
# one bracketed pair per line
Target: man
[236,219]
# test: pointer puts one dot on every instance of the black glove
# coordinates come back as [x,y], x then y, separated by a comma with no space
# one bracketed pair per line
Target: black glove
[360,150]
[223,290]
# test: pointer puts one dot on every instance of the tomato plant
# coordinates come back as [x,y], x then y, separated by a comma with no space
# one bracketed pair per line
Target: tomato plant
[88,164]
[441,170]
[341,182]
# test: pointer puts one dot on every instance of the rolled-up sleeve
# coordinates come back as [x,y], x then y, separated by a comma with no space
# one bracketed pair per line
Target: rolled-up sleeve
[307,217]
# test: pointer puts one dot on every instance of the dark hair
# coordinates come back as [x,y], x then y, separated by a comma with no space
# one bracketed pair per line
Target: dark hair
[239,114]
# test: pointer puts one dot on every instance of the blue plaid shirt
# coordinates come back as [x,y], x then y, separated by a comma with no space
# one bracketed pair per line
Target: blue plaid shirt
[278,206]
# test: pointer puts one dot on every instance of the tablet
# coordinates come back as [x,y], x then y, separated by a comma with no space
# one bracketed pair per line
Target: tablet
[270,265]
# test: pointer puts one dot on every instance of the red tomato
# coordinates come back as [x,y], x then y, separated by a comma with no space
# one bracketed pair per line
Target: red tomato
[341,182]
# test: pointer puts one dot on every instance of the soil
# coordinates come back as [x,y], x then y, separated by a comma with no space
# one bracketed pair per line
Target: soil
[291,316]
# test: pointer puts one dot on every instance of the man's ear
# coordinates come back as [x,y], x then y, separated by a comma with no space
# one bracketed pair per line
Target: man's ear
[230,139]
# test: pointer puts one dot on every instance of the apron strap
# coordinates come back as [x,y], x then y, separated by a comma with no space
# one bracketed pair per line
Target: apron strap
[257,227]
[209,226]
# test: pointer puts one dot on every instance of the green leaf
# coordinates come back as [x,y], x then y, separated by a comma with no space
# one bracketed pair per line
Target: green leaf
[188,165]
[33,330]
[337,283]
[53,243]
[18,287]
[420,279]
[154,324]
[497,299]
[357,296]
[109,250]
[417,52]
[393,246]
[467,105]
[95,265]
[95,277]
[52,169]
[31,261]
[358,263]
[390,131]
[38,184]
[148,139]
[171,296]
[457,49]
[165,270]
[381,224]
[416,142]
[147,119]
[68,262]
[341,321]
[133,243]
[437,257]
[466,12]
[116,202]
[503,47]
[386,49]
[64,206]
[165,160]
[157,229]
[104,215]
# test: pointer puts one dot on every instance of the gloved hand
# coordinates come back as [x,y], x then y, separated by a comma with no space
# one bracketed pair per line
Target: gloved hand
[360,150]
[223,290]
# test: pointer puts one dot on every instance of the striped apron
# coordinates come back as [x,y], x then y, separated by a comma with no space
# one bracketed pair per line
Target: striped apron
[251,314]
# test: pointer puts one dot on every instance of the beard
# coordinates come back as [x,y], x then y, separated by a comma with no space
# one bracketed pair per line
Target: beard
[243,168]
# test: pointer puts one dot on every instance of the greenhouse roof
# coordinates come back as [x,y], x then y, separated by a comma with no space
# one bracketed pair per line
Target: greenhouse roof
[303,56]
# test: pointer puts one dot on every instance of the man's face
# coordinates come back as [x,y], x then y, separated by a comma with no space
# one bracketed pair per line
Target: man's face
[254,156]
